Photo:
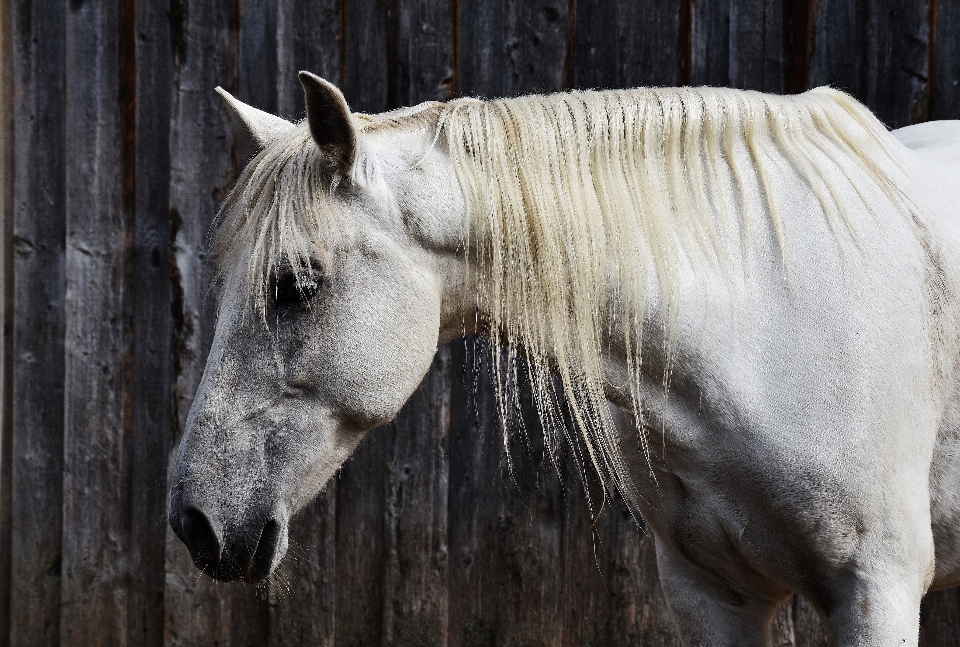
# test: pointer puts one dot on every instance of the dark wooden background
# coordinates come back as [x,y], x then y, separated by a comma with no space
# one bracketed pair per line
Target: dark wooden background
[115,155]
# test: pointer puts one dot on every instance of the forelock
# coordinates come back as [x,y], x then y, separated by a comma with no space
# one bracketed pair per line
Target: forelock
[287,208]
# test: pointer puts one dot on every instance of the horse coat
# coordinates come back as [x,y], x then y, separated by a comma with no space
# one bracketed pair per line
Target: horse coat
[747,304]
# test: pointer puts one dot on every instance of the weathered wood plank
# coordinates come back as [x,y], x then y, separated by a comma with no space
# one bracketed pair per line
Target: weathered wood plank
[6,310]
[258,54]
[879,51]
[710,43]
[203,153]
[757,42]
[420,43]
[360,543]
[530,533]
[940,619]
[415,600]
[309,37]
[365,72]
[506,530]
[303,593]
[637,608]
[483,49]
[741,44]
[258,62]
[96,462]
[945,102]
[585,593]
[476,456]
[152,329]
[510,48]
[39,197]
[623,44]
[757,45]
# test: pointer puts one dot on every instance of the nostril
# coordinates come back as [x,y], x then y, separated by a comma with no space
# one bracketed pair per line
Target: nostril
[200,538]
[266,550]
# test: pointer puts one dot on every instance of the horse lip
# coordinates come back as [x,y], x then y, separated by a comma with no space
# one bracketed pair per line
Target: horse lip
[264,558]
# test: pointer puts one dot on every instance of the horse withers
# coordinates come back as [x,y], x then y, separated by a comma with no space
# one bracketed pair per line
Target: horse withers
[743,305]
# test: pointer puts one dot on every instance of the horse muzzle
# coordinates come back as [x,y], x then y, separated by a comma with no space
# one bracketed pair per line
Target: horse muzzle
[246,548]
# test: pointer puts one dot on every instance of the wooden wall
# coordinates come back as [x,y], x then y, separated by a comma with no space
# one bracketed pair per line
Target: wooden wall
[115,155]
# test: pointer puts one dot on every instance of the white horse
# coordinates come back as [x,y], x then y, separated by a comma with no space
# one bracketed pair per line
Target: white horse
[765,287]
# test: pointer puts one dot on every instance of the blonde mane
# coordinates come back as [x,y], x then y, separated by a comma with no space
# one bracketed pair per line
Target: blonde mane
[576,203]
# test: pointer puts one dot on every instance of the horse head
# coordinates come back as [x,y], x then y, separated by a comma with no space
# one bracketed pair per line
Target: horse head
[332,248]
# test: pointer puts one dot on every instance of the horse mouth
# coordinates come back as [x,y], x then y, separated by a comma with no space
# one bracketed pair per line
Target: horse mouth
[244,556]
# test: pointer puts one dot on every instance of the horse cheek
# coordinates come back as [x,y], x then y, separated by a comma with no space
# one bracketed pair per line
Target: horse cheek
[381,348]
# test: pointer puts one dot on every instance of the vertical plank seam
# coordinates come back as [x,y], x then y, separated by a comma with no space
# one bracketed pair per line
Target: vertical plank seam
[798,42]
[685,46]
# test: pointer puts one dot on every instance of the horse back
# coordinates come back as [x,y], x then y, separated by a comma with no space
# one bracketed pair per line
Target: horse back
[933,138]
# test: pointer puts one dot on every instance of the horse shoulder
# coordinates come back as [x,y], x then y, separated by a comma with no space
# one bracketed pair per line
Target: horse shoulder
[932,160]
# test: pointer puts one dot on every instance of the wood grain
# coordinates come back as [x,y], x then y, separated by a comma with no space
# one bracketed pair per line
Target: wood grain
[420,42]
[6,311]
[879,51]
[257,82]
[415,595]
[510,48]
[310,37]
[152,425]
[96,461]
[39,232]
[945,100]
[740,44]
[360,547]
[624,44]
[303,593]
[476,459]
[365,77]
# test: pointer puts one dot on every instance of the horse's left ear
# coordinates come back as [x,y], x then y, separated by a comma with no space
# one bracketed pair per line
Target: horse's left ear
[330,121]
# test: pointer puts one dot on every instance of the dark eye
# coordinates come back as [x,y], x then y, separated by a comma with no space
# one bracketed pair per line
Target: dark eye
[289,293]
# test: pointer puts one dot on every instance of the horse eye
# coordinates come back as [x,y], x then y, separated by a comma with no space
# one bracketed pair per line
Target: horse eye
[288,293]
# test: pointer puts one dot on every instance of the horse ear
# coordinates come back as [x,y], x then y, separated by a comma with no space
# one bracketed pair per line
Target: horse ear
[263,127]
[330,121]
